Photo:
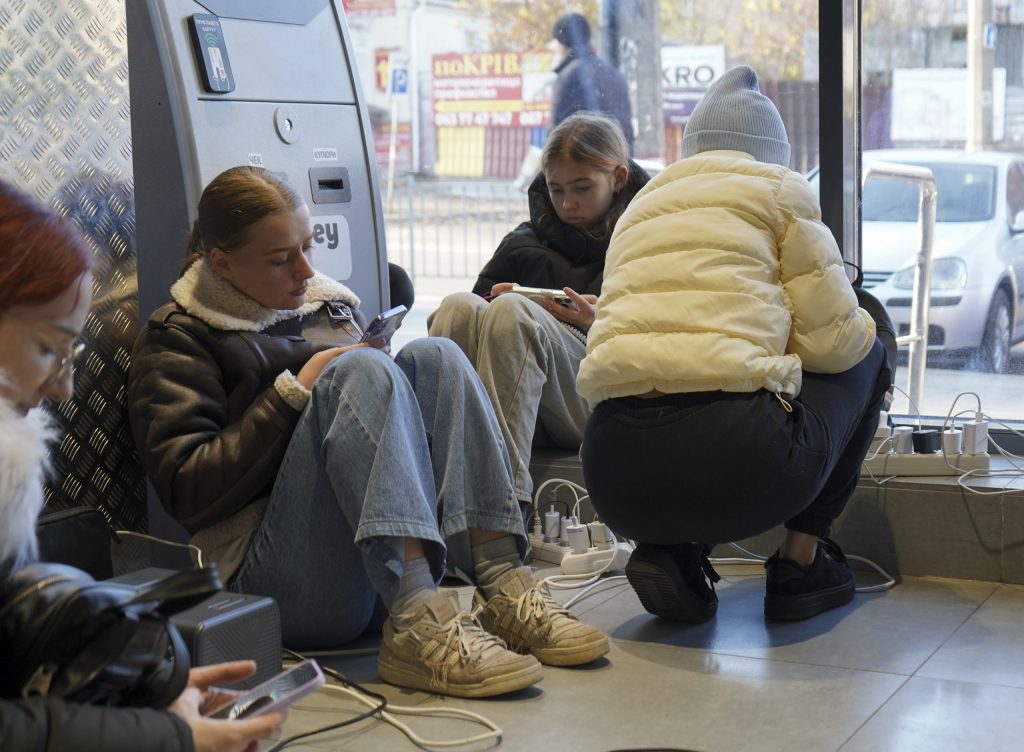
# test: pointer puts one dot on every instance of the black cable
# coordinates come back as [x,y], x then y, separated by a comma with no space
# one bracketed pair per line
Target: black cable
[337,675]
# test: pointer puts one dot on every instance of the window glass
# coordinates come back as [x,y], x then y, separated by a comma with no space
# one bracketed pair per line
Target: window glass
[461,95]
[966,193]
[941,85]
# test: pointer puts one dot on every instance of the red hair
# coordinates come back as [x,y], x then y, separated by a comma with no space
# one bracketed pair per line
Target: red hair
[41,253]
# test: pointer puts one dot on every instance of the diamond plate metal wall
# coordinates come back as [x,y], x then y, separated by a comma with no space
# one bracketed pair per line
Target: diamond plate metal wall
[65,137]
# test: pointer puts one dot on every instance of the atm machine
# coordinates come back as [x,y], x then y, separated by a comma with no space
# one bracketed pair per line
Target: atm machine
[219,83]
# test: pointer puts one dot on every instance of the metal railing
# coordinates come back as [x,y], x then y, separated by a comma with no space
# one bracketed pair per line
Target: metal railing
[920,306]
[450,228]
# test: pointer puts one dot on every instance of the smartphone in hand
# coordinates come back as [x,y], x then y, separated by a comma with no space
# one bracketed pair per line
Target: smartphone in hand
[274,694]
[385,324]
[557,296]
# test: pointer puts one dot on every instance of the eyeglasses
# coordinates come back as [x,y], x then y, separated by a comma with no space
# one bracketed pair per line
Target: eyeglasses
[67,363]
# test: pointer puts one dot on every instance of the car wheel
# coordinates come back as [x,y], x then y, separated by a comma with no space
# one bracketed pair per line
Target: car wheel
[994,353]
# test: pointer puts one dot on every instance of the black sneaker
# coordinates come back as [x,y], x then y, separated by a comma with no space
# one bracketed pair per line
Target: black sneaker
[674,582]
[794,592]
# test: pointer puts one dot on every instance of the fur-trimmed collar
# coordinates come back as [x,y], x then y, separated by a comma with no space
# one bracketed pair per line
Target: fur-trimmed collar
[23,467]
[211,298]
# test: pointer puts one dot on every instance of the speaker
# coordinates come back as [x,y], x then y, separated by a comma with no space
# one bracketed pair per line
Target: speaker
[226,627]
[231,627]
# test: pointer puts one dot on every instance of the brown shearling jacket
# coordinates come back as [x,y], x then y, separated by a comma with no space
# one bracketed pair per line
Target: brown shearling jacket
[211,396]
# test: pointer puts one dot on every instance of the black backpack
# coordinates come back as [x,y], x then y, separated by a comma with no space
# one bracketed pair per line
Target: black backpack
[63,634]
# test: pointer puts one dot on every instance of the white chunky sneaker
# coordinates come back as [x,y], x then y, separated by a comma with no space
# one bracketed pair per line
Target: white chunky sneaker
[525,616]
[445,650]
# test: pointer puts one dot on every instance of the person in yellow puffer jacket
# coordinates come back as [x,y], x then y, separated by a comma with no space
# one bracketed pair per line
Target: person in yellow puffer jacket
[737,382]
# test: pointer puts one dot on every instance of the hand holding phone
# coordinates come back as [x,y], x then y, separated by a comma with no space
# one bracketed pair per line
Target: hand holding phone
[274,694]
[385,324]
[558,296]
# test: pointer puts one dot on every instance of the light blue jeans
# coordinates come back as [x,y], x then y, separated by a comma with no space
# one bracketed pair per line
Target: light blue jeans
[527,361]
[386,449]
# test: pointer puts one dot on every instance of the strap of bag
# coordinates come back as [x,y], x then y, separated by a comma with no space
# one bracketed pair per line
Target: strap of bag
[169,688]
[180,591]
[158,688]
[86,665]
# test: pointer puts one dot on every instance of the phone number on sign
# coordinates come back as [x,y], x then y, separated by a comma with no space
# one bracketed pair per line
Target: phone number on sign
[529,119]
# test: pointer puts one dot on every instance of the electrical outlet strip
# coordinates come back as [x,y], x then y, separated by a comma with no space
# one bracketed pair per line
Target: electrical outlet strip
[552,553]
[595,559]
[925,464]
[592,560]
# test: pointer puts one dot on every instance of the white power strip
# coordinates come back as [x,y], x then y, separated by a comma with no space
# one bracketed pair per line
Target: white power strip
[596,559]
[549,552]
[925,464]
[592,560]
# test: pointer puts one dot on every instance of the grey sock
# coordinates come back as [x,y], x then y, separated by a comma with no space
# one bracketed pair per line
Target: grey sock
[492,560]
[417,584]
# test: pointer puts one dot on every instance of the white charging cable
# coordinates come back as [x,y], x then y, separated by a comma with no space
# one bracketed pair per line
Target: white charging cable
[194,549]
[889,582]
[494,731]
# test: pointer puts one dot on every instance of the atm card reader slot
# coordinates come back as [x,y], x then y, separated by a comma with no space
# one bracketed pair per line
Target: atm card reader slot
[330,185]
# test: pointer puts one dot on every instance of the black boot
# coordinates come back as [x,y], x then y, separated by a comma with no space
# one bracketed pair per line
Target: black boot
[675,582]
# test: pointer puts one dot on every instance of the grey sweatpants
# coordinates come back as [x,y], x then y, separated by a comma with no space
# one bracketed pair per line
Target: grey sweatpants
[527,361]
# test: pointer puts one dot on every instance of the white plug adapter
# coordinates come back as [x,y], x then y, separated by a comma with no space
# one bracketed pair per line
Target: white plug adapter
[976,436]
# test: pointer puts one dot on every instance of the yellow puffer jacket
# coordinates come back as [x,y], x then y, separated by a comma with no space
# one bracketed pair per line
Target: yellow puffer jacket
[721,276]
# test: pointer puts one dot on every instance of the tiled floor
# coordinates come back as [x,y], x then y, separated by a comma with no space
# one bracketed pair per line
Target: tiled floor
[933,664]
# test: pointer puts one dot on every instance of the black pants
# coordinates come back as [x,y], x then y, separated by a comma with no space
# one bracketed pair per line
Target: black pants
[712,467]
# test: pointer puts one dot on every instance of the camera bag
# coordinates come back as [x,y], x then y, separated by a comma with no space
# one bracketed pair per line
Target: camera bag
[64,634]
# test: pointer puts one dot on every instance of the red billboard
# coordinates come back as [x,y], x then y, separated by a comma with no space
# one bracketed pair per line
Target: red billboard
[369,7]
[492,89]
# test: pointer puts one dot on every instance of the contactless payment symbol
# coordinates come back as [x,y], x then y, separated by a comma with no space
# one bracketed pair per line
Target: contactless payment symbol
[211,53]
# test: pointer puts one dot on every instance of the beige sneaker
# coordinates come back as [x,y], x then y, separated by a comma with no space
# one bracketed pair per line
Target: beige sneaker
[446,651]
[525,616]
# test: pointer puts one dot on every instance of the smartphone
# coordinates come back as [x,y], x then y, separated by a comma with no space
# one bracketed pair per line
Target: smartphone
[274,694]
[385,324]
[540,292]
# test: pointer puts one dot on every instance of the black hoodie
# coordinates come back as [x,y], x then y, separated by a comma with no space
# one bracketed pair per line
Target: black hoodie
[546,252]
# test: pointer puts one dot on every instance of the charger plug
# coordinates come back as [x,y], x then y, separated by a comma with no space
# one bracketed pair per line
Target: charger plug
[547,551]
[976,436]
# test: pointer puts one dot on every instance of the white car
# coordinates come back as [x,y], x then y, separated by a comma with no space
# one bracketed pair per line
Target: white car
[977,306]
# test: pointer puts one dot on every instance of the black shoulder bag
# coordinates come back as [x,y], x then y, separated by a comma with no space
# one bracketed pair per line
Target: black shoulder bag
[63,634]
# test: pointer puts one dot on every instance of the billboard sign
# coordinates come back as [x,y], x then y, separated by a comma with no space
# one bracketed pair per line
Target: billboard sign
[686,72]
[930,104]
[371,8]
[492,89]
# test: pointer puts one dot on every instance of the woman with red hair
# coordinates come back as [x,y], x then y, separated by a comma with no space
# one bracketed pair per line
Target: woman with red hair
[45,293]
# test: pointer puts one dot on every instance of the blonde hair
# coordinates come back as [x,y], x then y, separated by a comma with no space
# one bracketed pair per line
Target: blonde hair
[593,139]
[234,201]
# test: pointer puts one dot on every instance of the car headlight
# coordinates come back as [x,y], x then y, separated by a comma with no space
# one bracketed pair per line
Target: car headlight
[947,274]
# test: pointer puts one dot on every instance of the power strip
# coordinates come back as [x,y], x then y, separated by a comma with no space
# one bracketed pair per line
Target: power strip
[925,464]
[592,560]
[552,553]
[596,559]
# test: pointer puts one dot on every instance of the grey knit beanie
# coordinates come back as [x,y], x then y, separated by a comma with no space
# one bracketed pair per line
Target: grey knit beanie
[734,114]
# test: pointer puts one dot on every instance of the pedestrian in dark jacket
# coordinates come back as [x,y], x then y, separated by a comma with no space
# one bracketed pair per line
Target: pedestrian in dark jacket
[527,351]
[45,293]
[318,470]
[585,81]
